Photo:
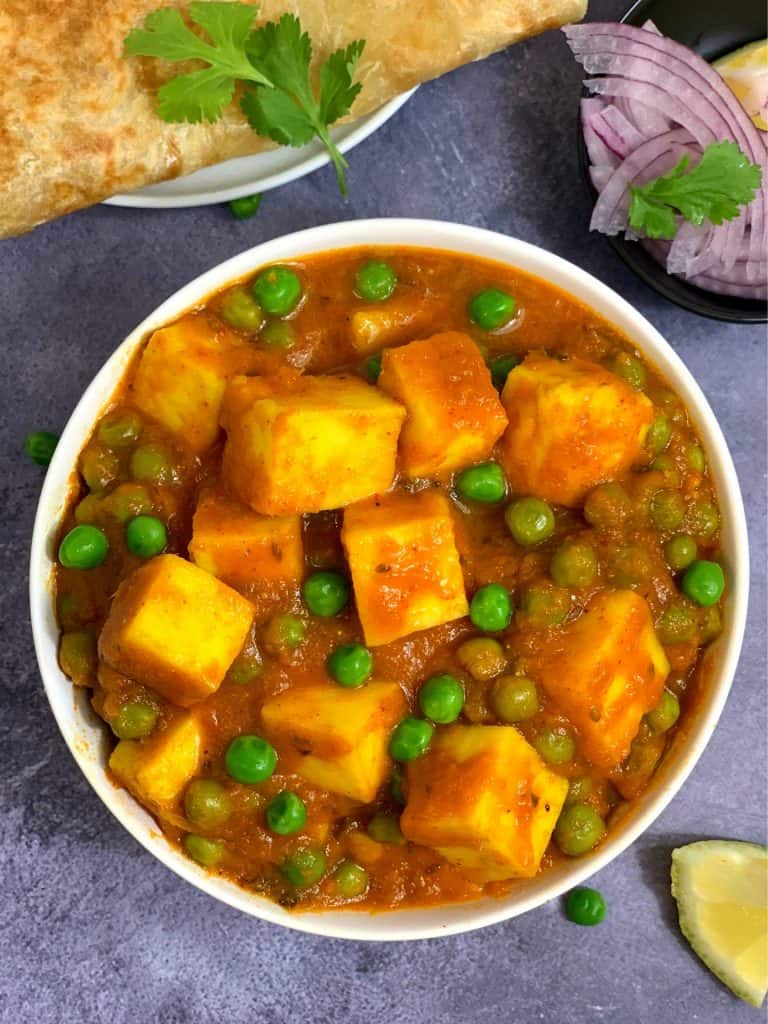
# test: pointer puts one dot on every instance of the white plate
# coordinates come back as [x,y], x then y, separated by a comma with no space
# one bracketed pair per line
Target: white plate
[258,173]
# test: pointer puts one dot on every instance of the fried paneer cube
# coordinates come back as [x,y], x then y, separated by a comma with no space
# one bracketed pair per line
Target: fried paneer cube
[157,769]
[572,425]
[604,671]
[392,322]
[404,564]
[484,799]
[175,628]
[308,444]
[182,375]
[341,735]
[239,546]
[454,413]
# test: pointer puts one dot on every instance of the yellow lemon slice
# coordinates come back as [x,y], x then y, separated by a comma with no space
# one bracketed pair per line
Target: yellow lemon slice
[721,888]
[746,72]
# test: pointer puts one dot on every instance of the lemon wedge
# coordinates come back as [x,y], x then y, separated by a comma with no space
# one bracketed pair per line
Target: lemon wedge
[721,888]
[746,72]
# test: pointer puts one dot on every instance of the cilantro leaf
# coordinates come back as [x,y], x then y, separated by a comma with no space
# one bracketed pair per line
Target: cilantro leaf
[721,183]
[290,114]
[199,95]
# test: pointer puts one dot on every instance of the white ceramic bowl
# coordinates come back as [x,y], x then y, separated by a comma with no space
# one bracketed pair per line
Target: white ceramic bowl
[86,735]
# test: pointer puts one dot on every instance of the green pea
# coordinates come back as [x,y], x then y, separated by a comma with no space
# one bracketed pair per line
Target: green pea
[98,466]
[134,720]
[70,611]
[710,624]
[667,509]
[245,206]
[245,669]
[607,506]
[704,582]
[482,656]
[410,738]
[491,309]
[128,501]
[579,790]
[544,604]
[375,281]
[665,714]
[579,829]
[491,608]
[350,880]
[676,625]
[326,593]
[585,906]
[88,510]
[207,852]
[630,566]
[665,464]
[514,698]
[630,368]
[574,564]
[207,804]
[441,699]
[396,786]
[555,746]
[151,463]
[484,483]
[350,664]
[278,334]
[146,536]
[286,813]
[241,310]
[284,633]
[277,290]
[120,429]
[659,433]
[372,368]
[385,829]
[500,368]
[250,759]
[304,868]
[77,657]
[40,446]
[705,519]
[84,547]
[697,460]
[680,551]
[530,521]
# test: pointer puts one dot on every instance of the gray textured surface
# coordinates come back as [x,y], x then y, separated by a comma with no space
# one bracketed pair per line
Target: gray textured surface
[93,929]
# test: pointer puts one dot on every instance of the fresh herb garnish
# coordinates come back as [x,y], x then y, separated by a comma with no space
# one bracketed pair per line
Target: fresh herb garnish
[721,183]
[273,62]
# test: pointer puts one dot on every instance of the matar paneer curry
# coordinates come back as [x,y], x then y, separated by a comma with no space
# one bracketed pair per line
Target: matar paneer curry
[390,571]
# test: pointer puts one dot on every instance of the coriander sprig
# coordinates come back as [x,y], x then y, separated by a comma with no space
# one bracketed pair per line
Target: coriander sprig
[718,186]
[272,62]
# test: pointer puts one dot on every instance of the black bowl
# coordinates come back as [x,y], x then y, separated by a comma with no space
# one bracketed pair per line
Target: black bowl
[712,29]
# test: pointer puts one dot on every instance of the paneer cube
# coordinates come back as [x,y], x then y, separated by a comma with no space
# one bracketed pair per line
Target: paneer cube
[404,564]
[240,546]
[391,323]
[454,414]
[484,799]
[604,672]
[157,769]
[340,736]
[175,628]
[572,425]
[182,374]
[308,444]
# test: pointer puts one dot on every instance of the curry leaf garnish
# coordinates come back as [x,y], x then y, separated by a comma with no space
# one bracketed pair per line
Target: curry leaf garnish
[718,186]
[273,62]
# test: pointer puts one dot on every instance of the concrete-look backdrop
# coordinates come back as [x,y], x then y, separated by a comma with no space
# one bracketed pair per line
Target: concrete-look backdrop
[93,928]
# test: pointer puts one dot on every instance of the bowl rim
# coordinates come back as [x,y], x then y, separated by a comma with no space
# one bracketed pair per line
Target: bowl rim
[449,919]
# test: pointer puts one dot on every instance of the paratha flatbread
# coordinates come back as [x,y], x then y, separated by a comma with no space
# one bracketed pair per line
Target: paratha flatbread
[78,121]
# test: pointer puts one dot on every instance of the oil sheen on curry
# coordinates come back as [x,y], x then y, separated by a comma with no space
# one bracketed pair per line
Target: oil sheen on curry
[390,571]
